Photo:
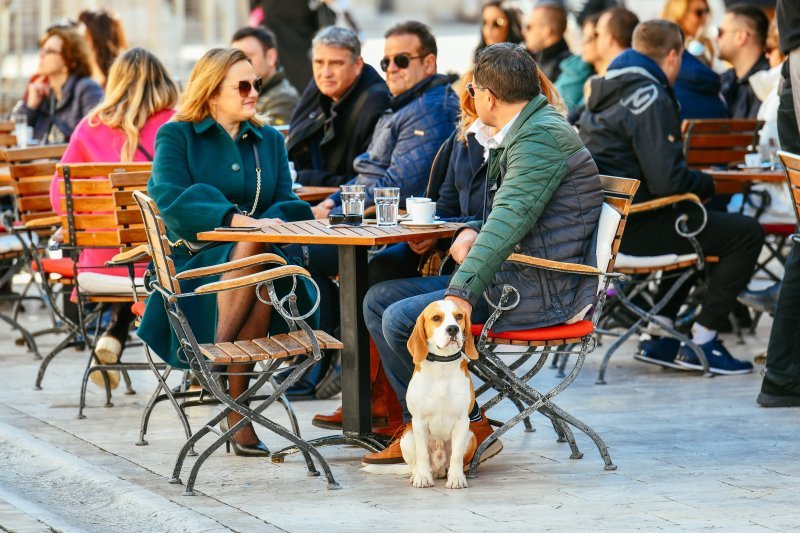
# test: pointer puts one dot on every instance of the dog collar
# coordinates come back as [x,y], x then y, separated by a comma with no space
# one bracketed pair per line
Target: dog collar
[444,358]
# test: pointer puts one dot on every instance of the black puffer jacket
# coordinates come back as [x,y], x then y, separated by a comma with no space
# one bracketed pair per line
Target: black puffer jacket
[632,129]
[326,137]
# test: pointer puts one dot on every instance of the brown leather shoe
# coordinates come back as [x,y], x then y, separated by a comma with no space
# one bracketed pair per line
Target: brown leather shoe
[334,420]
[391,455]
[482,430]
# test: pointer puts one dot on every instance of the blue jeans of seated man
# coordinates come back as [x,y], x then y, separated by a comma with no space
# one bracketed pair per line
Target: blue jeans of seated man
[391,310]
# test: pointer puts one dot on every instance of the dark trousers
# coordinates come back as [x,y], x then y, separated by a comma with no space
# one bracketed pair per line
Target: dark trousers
[783,353]
[735,239]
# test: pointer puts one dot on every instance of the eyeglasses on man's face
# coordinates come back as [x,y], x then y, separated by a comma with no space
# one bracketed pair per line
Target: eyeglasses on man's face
[471,88]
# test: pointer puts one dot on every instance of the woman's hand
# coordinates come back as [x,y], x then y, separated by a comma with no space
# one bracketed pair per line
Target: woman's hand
[323,209]
[462,245]
[420,247]
[37,90]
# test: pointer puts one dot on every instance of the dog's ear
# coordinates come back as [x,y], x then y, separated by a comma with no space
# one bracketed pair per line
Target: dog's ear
[469,339]
[418,341]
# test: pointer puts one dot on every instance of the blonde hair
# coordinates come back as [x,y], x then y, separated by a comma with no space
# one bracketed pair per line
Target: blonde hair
[675,10]
[204,82]
[138,88]
[469,115]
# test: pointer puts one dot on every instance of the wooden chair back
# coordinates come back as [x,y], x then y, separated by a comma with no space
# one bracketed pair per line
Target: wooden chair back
[89,203]
[7,126]
[126,213]
[791,164]
[718,142]
[31,171]
[160,247]
[619,193]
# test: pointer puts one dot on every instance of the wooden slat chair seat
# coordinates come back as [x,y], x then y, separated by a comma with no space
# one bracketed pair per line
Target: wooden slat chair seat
[573,339]
[284,345]
[269,353]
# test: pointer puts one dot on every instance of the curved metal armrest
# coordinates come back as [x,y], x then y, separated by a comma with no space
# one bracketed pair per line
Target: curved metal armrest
[252,279]
[658,203]
[557,266]
[134,255]
[238,264]
[42,223]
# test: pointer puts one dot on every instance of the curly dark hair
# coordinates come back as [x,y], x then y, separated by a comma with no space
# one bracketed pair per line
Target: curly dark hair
[514,18]
[74,50]
[107,34]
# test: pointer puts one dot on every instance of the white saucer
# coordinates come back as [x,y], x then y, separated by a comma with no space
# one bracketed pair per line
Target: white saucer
[296,186]
[421,225]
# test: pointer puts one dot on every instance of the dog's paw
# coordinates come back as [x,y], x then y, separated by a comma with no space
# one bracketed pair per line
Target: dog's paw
[422,479]
[456,480]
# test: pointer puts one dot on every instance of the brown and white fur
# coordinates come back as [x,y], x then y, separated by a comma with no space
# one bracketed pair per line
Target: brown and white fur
[439,398]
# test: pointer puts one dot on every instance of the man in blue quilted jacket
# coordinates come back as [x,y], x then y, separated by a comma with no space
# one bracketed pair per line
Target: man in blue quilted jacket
[422,115]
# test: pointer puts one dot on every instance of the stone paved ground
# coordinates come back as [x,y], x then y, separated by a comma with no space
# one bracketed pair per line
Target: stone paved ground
[693,453]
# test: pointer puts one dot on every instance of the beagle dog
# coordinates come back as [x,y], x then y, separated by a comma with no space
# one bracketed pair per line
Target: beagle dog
[440,395]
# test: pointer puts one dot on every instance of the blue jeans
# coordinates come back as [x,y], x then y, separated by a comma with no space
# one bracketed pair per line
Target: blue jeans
[391,310]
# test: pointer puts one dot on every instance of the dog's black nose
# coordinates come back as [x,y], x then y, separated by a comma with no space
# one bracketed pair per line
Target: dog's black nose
[452,330]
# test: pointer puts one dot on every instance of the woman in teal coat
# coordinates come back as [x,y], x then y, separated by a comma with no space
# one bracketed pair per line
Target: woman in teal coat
[217,165]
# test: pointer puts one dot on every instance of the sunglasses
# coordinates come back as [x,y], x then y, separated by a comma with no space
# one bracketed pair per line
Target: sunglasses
[499,22]
[702,12]
[401,60]
[471,88]
[245,86]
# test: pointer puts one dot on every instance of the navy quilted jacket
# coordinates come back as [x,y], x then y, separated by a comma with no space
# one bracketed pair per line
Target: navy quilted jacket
[406,139]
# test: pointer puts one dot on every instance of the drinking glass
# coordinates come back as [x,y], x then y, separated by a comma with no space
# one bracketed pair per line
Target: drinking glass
[20,127]
[353,199]
[387,202]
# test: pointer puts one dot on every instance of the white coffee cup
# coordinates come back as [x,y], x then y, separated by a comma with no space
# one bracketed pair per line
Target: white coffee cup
[752,160]
[421,212]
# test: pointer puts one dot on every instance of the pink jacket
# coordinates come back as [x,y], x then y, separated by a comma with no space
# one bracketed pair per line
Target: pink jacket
[102,144]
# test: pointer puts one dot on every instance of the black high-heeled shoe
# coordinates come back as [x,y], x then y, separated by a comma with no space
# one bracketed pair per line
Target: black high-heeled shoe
[258,449]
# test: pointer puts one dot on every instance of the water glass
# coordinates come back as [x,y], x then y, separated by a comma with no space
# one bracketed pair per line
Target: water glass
[353,199]
[20,128]
[387,203]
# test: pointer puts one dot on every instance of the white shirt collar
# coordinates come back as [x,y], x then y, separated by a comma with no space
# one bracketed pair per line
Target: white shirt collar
[489,142]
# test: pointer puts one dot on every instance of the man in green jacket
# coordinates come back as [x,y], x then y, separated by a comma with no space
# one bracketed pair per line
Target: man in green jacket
[543,199]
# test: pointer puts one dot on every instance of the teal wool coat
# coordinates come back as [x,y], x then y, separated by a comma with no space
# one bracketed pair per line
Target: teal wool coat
[200,176]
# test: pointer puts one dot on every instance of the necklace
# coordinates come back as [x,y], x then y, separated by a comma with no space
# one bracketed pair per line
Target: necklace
[258,183]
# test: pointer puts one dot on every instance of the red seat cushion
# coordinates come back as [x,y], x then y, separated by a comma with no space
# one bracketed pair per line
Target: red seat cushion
[138,309]
[552,333]
[56,266]
[778,229]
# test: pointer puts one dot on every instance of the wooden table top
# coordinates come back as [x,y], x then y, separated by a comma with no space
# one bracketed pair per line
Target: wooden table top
[312,194]
[318,232]
[747,175]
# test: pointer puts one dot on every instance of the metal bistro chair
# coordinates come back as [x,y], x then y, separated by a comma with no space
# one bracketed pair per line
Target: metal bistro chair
[643,273]
[565,339]
[30,224]
[209,361]
[89,222]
